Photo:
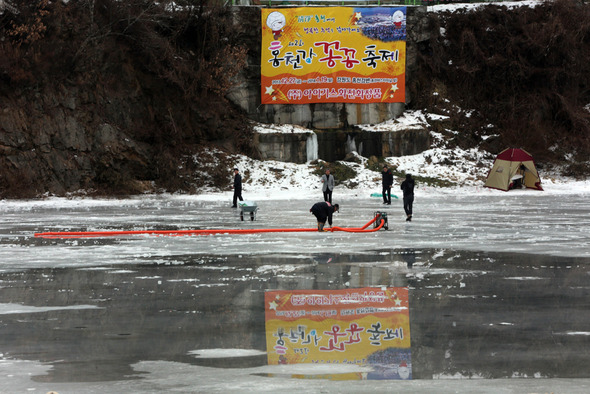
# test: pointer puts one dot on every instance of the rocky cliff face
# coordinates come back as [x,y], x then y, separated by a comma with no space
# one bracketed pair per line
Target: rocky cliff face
[65,139]
[50,143]
[91,104]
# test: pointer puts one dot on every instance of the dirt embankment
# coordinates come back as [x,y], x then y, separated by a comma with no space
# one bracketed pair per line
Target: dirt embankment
[116,97]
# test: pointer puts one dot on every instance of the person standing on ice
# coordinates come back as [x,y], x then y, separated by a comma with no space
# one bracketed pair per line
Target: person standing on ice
[237,188]
[327,186]
[323,211]
[408,188]
[387,182]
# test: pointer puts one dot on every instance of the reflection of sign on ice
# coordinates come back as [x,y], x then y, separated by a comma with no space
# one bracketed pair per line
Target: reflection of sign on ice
[367,326]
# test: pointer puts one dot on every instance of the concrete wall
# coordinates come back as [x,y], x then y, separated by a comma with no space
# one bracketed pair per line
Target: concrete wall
[334,145]
[282,146]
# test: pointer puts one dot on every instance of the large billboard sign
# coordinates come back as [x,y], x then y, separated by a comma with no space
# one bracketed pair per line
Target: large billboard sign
[333,55]
[366,326]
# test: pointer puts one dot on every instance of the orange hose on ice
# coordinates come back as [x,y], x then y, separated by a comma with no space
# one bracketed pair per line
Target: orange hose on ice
[91,234]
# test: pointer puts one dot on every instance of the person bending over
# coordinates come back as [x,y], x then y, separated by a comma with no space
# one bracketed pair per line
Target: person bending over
[323,211]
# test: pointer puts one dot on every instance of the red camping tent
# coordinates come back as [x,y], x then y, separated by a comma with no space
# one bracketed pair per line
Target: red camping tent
[513,168]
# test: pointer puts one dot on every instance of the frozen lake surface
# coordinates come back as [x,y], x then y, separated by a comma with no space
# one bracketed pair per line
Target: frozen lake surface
[529,222]
[498,292]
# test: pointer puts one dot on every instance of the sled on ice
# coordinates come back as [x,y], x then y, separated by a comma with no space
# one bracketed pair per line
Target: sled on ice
[248,207]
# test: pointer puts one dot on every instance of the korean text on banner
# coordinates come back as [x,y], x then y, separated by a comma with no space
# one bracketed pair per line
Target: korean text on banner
[333,55]
[366,326]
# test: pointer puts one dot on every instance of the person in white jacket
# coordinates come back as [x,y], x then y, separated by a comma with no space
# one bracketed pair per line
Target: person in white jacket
[327,185]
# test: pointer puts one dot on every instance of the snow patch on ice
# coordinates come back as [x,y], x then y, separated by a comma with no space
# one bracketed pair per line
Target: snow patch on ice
[457,376]
[211,285]
[9,309]
[225,353]
[276,268]
[582,333]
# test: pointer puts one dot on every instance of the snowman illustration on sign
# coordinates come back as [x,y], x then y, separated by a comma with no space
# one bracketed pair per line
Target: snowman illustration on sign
[403,370]
[397,19]
[276,22]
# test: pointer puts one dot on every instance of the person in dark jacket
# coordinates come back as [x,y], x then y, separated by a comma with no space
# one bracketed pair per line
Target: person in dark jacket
[237,188]
[322,211]
[387,182]
[408,188]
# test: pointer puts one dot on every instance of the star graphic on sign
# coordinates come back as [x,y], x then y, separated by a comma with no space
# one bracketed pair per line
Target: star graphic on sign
[356,18]
[269,90]
[398,302]
[394,87]
[272,305]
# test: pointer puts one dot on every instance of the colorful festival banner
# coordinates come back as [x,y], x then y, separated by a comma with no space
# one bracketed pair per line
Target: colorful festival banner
[333,55]
[367,326]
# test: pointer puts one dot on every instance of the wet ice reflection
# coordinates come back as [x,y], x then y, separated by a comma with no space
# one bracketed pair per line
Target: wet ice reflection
[471,313]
